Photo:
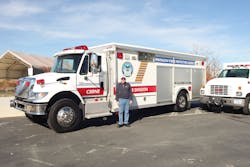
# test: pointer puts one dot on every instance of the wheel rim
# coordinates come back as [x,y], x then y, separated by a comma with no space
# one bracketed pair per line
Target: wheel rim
[65,116]
[249,107]
[182,102]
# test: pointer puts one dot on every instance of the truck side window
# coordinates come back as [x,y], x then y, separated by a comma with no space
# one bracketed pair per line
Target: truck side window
[99,64]
[148,57]
[84,68]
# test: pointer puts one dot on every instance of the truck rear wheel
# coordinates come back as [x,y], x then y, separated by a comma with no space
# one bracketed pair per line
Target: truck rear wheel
[181,102]
[64,116]
[246,109]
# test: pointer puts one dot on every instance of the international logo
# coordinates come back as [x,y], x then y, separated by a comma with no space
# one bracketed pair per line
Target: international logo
[127,69]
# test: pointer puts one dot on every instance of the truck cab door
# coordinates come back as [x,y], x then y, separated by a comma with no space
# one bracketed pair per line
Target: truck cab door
[92,84]
[91,77]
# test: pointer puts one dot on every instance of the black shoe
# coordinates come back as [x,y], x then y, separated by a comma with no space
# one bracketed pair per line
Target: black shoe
[127,125]
[119,126]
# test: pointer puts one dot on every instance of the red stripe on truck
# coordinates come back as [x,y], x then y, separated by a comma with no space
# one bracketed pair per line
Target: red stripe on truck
[141,89]
[90,91]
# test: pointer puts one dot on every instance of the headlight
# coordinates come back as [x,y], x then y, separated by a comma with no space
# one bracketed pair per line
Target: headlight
[238,93]
[40,95]
[202,92]
[37,95]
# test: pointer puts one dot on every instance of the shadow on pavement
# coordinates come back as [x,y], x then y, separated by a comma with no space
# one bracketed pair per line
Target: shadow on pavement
[134,116]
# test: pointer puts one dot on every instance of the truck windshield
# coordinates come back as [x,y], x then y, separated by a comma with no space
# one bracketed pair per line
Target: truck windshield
[240,73]
[67,63]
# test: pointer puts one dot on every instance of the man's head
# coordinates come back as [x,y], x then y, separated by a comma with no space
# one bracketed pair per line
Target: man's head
[123,79]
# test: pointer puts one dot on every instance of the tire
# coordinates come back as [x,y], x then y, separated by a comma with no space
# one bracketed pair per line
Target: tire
[181,102]
[246,108]
[203,106]
[36,118]
[64,116]
[214,108]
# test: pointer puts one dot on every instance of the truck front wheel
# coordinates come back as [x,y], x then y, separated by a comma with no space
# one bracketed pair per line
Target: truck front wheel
[64,116]
[246,109]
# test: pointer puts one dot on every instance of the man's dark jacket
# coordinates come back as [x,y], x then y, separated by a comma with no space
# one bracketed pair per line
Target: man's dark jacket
[123,91]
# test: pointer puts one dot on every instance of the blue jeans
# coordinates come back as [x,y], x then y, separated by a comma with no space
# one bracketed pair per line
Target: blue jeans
[123,106]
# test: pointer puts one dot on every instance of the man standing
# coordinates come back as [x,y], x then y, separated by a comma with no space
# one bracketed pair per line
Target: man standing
[124,98]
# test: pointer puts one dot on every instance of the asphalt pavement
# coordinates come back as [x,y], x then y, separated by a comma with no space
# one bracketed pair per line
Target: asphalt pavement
[157,137]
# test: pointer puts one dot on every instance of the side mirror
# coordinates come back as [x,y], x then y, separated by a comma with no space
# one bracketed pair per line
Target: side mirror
[94,63]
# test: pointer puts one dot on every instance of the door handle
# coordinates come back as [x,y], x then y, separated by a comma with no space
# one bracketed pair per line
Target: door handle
[101,85]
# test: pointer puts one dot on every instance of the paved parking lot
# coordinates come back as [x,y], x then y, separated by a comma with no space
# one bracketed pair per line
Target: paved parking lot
[157,137]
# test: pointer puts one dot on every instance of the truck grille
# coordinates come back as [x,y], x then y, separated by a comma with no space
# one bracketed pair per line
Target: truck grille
[219,90]
[22,90]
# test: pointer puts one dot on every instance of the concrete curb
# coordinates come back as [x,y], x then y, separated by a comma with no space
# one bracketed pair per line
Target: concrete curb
[6,111]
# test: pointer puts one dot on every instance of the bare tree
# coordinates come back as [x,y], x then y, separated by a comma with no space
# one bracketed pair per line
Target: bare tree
[213,63]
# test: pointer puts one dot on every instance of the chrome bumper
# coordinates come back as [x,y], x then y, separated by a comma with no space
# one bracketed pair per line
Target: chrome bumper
[29,108]
[223,101]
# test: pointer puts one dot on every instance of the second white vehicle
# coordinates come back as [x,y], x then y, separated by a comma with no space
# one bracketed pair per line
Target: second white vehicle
[231,88]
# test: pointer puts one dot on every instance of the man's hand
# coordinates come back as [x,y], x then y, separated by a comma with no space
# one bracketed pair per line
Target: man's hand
[130,101]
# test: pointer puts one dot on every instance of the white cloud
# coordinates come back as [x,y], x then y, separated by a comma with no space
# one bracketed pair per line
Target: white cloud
[101,7]
[97,20]
[19,8]
[85,21]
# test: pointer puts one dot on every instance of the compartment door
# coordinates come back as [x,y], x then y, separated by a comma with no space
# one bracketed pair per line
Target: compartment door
[164,84]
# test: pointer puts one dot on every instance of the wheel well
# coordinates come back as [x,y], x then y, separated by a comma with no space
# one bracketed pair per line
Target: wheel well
[182,90]
[62,95]
[185,91]
[248,95]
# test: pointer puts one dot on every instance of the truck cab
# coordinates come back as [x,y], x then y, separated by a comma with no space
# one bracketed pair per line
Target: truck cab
[60,95]
[231,88]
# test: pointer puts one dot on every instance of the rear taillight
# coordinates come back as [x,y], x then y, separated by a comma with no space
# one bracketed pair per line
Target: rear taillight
[189,88]
[40,82]
[17,83]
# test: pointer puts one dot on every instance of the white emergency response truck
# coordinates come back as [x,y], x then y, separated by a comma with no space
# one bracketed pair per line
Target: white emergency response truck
[231,88]
[83,81]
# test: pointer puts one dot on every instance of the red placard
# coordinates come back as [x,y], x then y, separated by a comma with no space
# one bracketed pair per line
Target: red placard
[141,89]
[90,91]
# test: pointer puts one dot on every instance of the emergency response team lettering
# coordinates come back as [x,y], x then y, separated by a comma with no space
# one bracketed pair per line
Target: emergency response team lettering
[141,89]
[173,61]
[90,91]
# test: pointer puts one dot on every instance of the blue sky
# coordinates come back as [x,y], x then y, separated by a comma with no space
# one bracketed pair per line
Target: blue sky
[218,28]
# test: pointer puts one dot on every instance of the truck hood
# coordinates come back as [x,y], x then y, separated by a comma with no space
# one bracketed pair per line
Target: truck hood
[228,81]
[52,77]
